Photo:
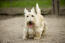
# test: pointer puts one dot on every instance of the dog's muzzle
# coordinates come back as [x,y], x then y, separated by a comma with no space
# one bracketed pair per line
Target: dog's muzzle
[30,24]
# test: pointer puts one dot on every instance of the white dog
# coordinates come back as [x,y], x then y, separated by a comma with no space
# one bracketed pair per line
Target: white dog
[34,24]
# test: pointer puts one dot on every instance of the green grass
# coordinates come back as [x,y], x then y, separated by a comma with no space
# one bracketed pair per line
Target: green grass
[4,4]
[62,2]
[28,3]
[24,3]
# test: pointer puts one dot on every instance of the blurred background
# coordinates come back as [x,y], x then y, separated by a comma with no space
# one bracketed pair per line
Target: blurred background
[12,20]
[17,6]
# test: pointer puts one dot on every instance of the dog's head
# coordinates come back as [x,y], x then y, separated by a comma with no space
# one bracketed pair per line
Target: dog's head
[30,17]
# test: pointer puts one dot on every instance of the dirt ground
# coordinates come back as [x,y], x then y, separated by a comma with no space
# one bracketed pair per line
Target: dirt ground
[11,30]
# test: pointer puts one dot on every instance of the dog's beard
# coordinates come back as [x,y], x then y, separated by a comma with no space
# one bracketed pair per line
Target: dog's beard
[30,24]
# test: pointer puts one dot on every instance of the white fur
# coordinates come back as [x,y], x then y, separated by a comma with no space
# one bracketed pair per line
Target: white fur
[37,19]
[38,9]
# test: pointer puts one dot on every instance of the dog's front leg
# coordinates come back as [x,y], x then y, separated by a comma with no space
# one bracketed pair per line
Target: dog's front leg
[38,33]
[25,33]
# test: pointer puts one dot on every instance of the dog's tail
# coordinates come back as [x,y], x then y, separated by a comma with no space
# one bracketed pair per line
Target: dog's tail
[38,9]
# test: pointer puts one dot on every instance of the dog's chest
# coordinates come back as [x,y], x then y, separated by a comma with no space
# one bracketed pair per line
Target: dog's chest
[30,31]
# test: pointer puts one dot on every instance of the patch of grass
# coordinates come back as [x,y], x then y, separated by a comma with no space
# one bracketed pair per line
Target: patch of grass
[4,4]
[29,3]
[62,2]
[22,4]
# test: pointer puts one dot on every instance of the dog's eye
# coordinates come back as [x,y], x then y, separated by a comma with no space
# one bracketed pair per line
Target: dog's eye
[27,16]
[32,15]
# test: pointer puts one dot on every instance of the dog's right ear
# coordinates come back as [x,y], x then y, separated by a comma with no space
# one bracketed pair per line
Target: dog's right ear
[25,11]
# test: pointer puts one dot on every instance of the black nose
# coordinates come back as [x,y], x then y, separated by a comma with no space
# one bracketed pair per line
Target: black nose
[30,22]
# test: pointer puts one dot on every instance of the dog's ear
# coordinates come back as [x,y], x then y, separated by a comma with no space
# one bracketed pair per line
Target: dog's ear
[25,11]
[33,10]
[38,9]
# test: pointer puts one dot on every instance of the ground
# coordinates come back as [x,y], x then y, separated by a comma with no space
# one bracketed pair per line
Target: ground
[11,29]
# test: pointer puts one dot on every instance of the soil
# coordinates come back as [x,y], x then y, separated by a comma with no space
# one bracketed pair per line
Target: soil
[11,29]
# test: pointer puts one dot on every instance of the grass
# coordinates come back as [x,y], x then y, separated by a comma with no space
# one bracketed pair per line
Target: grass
[62,2]
[23,4]
[28,3]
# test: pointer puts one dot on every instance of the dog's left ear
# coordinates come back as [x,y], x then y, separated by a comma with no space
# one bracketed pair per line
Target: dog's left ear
[38,9]
[33,10]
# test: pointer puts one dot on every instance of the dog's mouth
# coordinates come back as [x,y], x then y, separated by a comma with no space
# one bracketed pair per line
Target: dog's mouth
[30,24]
